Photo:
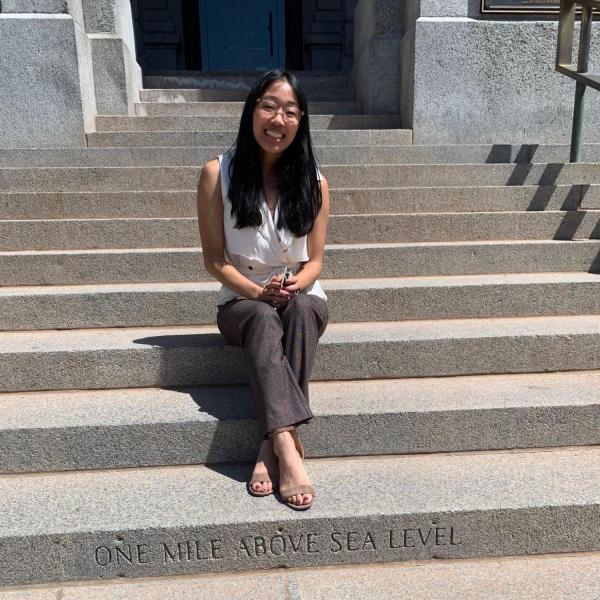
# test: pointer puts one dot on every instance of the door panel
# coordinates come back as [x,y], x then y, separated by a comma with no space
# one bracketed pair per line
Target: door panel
[242,34]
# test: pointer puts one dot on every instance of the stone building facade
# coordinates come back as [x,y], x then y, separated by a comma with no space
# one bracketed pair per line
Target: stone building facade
[454,73]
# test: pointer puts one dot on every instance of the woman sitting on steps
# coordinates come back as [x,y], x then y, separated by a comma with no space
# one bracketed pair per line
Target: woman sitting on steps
[263,209]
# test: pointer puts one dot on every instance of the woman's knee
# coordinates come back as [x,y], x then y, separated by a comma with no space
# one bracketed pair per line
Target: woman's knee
[263,316]
[306,307]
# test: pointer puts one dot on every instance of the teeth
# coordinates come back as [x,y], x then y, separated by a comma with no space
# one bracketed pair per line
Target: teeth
[273,134]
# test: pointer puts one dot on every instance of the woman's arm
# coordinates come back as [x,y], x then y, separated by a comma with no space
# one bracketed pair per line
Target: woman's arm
[210,220]
[315,242]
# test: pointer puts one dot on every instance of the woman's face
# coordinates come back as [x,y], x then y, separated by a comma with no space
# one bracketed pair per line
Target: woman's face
[273,126]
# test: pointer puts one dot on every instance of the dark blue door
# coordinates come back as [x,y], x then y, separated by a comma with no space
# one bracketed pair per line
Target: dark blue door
[242,34]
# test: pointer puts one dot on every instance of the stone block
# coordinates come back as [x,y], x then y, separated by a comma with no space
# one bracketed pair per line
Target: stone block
[40,93]
[450,8]
[34,6]
[110,76]
[117,76]
[100,16]
[380,91]
[494,82]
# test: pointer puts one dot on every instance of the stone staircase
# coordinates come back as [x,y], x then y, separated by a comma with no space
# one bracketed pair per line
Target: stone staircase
[455,392]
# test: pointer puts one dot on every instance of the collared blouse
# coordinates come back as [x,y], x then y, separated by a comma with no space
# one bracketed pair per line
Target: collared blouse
[260,252]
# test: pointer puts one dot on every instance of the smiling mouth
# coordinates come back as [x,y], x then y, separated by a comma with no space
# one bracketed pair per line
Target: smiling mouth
[274,135]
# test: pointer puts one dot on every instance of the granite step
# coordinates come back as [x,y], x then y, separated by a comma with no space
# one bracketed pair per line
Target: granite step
[389,298]
[326,27]
[105,429]
[205,109]
[235,94]
[168,521]
[137,156]
[541,577]
[239,94]
[197,355]
[163,204]
[163,304]
[72,234]
[119,123]
[312,82]
[338,138]
[342,261]
[105,179]
[352,154]
[417,154]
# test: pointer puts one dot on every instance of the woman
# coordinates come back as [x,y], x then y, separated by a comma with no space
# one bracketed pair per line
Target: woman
[263,209]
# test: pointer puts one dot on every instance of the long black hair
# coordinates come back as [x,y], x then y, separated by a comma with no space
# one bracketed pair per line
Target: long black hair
[296,169]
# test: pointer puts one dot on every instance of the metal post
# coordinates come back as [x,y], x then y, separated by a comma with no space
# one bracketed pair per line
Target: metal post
[582,67]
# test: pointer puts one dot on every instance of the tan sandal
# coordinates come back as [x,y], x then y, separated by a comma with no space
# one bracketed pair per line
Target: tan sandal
[288,492]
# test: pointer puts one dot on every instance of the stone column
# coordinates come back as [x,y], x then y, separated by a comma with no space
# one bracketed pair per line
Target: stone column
[117,75]
[377,72]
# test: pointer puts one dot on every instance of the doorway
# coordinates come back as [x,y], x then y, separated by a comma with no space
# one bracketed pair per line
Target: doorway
[242,35]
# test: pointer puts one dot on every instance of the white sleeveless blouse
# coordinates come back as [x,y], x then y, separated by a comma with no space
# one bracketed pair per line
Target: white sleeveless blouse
[261,252]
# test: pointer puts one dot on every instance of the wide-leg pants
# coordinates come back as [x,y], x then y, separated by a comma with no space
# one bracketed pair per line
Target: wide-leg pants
[279,346]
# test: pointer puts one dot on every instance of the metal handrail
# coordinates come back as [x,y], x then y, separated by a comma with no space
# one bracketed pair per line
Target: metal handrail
[579,72]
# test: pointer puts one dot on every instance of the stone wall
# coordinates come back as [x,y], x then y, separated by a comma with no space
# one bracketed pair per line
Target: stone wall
[457,77]
[493,81]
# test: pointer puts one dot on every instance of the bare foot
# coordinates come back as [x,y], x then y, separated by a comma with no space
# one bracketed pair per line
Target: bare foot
[266,464]
[291,467]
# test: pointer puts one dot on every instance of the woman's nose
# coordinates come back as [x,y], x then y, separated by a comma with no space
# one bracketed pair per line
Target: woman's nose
[278,116]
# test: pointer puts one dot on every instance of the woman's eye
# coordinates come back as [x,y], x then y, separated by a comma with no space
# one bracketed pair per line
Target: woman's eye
[292,114]
[269,106]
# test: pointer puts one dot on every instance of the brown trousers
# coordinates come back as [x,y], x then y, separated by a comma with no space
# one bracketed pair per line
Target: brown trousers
[279,348]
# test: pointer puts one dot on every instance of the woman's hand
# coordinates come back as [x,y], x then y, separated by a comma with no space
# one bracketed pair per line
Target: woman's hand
[292,286]
[273,294]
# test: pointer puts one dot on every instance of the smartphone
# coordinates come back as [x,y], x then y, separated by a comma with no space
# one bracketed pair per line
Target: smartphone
[287,273]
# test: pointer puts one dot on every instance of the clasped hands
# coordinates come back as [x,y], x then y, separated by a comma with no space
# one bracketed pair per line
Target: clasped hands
[275,295]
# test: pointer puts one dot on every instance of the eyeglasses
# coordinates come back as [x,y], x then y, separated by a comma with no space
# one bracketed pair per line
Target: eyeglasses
[291,114]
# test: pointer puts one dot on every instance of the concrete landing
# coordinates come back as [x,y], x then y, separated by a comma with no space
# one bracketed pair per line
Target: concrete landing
[544,577]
